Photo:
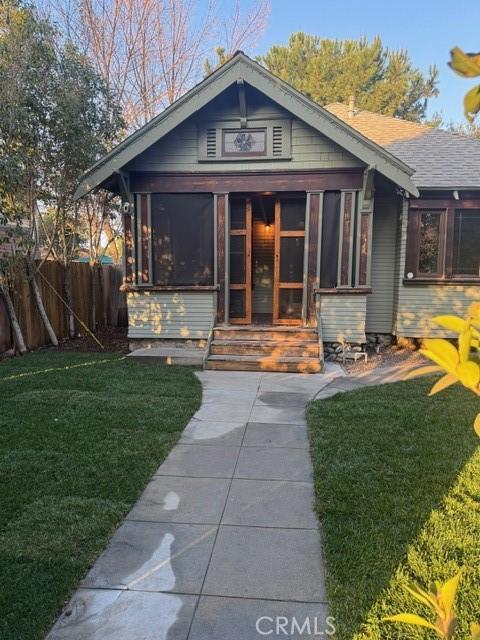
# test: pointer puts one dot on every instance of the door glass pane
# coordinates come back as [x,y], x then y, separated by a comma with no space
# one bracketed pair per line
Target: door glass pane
[237,303]
[466,242]
[291,259]
[290,304]
[237,259]
[237,213]
[292,212]
[429,249]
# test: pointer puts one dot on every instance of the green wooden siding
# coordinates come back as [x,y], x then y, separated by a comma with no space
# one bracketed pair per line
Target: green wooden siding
[184,315]
[380,303]
[343,315]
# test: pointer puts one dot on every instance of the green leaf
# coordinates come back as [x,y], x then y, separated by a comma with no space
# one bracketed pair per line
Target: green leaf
[471,103]
[465,64]
[411,618]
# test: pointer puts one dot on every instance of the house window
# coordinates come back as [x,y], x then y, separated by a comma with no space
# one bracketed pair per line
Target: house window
[429,243]
[182,227]
[443,244]
[466,243]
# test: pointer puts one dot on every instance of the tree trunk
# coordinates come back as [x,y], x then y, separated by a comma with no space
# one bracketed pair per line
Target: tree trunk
[17,332]
[94,297]
[39,302]
[101,295]
[67,292]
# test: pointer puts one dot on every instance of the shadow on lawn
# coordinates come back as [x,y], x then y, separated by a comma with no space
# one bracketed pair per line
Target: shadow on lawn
[384,458]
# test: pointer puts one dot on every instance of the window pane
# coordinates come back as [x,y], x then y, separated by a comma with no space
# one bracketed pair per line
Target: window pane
[237,214]
[182,239]
[290,304]
[292,214]
[237,259]
[330,236]
[237,303]
[429,247]
[291,259]
[466,242]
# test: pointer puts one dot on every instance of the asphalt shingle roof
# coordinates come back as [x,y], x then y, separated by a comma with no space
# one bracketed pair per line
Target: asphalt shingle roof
[441,159]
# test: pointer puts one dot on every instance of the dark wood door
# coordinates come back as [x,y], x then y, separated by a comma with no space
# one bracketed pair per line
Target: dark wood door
[289,260]
[240,261]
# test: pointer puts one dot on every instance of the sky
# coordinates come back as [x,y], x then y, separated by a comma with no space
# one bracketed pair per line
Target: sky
[427,30]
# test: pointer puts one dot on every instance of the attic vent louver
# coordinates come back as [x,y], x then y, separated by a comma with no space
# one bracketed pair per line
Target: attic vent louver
[211,143]
[277,141]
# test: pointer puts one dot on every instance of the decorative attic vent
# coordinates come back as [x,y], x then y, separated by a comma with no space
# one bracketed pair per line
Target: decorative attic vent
[227,141]
[277,147]
[211,143]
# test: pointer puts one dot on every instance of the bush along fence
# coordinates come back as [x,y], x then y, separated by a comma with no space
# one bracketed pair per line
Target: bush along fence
[96,302]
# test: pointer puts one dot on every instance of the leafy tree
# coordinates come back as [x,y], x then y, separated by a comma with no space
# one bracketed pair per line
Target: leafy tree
[327,71]
[56,118]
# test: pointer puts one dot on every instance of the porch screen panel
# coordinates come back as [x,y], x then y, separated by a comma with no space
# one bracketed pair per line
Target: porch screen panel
[182,227]
[330,238]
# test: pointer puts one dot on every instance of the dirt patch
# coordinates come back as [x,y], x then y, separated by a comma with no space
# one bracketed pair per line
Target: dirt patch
[113,340]
[388,357]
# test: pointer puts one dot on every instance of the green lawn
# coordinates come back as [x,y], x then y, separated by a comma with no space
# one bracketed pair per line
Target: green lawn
[397,476]
[80,435]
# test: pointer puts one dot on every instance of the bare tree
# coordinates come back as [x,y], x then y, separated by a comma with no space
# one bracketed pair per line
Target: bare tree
[150,52]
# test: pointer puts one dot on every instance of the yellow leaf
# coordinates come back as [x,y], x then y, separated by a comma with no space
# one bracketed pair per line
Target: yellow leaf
[442,352]
[469,374]
[475,629]
[465,64]
[476,425]
[446,381]
[422,596]
[411,618]
[422,371]
[464,345]
[471,103]
[474,311]
[453,323]
[448,593]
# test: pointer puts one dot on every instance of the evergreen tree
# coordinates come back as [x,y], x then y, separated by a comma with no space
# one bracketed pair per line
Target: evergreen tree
[328,71]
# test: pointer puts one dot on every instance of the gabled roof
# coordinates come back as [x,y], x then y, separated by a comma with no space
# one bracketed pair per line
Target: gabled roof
[244,68]
[441,159]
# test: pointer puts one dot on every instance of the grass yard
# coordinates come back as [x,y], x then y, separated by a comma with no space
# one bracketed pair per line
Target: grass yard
[80,436]
[397,477]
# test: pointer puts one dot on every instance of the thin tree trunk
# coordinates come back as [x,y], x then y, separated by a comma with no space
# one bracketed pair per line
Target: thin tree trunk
[17,332]
[94,298]
[67,292]
[101,295]
[39,302]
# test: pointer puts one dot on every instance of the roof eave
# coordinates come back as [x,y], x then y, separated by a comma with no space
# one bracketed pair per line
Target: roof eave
[242,67]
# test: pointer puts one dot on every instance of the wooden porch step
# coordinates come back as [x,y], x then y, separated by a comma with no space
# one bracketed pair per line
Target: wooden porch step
[276,334]
[261,348]
[265,363]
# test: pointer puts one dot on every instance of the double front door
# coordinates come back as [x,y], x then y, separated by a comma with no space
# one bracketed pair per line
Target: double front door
[287,224]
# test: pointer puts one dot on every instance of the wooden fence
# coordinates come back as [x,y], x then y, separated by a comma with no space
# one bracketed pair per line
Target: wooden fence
[110,307]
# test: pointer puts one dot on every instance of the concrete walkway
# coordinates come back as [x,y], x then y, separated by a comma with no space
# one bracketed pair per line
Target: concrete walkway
[223,544]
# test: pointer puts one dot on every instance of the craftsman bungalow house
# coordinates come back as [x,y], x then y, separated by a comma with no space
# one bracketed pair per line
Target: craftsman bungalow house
[254,215]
